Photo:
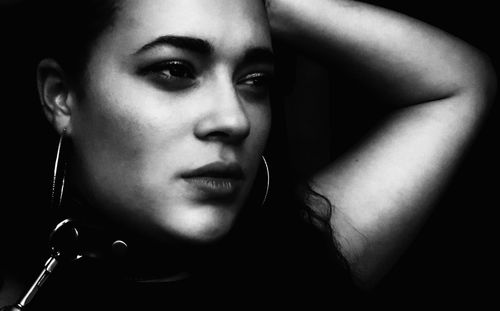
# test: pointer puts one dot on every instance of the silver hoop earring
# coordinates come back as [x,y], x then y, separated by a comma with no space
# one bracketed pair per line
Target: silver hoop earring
[268,181]
[55,192]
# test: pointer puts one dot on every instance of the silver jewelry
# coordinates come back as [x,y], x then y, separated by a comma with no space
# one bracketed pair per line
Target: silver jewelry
[55,183]
[63,241]
[268,180]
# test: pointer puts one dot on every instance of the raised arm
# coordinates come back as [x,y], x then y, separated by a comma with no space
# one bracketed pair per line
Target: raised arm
[440,88]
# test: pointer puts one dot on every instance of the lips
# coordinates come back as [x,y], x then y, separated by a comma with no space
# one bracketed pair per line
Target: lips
[217,180]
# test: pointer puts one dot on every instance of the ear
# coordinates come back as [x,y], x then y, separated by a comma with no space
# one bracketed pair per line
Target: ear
[55,94]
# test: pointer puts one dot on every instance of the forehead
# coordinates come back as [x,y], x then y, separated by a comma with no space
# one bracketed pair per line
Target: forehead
[226,24]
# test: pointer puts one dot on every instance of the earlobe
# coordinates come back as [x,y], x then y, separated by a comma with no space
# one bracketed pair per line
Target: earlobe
[55,94]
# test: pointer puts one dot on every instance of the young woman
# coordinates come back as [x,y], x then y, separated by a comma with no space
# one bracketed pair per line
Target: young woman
[164,109]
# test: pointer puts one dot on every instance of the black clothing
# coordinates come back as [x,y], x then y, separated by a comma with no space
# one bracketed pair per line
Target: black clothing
[265,271]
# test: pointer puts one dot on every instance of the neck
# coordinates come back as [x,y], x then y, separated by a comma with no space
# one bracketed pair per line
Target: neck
[132,256]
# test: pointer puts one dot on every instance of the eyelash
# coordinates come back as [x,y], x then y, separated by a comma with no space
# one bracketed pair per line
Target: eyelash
[165,74]
[257,79]
[172,71]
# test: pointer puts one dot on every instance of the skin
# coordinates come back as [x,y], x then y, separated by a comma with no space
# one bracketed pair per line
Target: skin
[150,112]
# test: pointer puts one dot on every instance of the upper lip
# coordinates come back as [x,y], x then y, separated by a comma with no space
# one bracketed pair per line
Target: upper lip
[229,170]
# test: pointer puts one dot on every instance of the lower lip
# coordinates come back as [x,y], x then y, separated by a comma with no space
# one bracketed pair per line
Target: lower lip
[215,188]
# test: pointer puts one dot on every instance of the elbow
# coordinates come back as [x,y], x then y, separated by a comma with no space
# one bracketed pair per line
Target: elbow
[490,79]
[487,75]
[480,79]
[476,96]
[473,86]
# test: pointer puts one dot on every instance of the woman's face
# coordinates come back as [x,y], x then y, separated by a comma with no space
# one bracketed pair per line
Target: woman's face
[175,115]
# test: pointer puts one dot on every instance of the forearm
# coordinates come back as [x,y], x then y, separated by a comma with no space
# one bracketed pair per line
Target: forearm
[384,188]
[408,61]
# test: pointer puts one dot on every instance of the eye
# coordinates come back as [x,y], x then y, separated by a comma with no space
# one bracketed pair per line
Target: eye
[257,83]
[258,79]
[176,70]
[174,74]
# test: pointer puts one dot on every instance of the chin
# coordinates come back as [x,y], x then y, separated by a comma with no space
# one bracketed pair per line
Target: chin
[203,225]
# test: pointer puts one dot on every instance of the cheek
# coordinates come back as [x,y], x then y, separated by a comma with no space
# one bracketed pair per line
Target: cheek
[111,124]
[260,118]
[124,139]
[124,114]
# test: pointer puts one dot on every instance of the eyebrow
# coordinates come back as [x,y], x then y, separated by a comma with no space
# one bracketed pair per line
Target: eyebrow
[195,45]
[203,47]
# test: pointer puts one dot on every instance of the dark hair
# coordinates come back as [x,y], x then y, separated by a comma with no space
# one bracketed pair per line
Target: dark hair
[70,31]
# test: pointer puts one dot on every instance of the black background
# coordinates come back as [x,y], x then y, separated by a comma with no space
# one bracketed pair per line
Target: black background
[451,263]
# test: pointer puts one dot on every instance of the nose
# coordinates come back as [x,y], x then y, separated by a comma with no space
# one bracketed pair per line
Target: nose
[226,119]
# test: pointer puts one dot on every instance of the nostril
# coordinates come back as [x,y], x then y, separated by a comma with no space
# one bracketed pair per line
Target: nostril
[228,125]
[217,134]
[229,135]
